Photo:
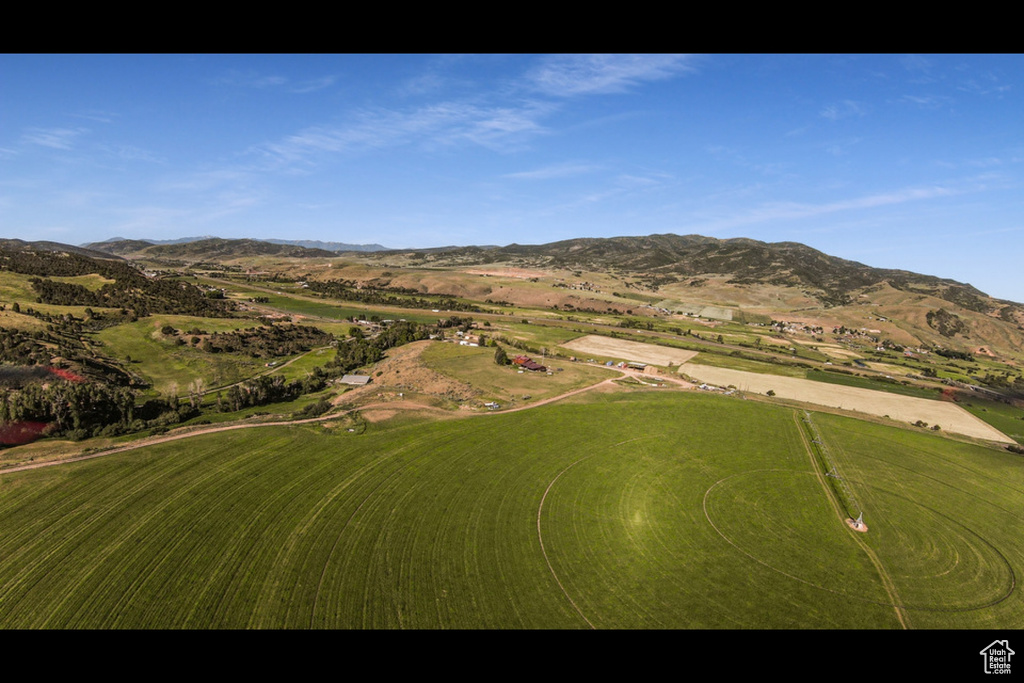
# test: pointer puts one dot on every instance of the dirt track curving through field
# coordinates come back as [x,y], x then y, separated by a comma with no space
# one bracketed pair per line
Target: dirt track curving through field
[393,406]
[540,538]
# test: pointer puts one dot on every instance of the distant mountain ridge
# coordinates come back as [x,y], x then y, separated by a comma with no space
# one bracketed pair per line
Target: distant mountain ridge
[124,245]
[330,246]
[43,245]
[212,248]
[830,279]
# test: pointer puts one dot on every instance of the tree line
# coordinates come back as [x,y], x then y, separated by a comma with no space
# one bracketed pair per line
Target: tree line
[388,296]
[266,341]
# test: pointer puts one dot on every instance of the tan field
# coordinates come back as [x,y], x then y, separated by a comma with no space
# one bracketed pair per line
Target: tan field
[629,350]
[836,352]
[949,417]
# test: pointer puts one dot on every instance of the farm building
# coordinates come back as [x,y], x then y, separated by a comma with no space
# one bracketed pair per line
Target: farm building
[527,364]
[358,380]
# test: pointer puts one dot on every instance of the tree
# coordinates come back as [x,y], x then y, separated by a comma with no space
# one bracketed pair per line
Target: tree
[195,393]
[500,357]
[356,332]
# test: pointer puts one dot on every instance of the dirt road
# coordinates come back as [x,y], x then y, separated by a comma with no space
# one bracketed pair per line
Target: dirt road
[387,405]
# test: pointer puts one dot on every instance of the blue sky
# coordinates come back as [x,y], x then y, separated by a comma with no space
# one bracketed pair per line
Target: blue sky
[898,161]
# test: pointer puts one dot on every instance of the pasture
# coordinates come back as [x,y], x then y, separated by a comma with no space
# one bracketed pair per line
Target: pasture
[635,510]
[475,366]
[166,365]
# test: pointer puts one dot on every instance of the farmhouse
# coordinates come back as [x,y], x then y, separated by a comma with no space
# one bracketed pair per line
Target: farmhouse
[527,364]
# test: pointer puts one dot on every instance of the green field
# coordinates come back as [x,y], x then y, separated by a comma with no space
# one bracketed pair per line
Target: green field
[1007,419]
[637,510]
[305,304]
[476,366]
[165,364]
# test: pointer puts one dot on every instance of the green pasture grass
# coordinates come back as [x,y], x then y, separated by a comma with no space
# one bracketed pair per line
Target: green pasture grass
[476,366]
[163,363]
[637,296]
[944,518]
[272,411]
[736,363]
[1006,418]
[306,362]
[322,308]
[641,510]
[20,321]
[16,287]
[92,282]
[325,309]
[538,335]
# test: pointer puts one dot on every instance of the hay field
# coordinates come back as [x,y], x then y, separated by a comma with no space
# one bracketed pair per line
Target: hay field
[950,417]
[629,350]
[633,510]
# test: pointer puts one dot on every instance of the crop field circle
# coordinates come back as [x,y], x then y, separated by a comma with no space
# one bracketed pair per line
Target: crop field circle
[937,559]
[782,520]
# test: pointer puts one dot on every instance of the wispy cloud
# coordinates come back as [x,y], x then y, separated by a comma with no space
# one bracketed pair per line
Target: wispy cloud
[568,75]
[258,81]
[842,110]
[226,204]
[793,210]
[132,153]
[563,170]
[731,154]
[97,116]
[916,63]
[625,186]
[840,147]
[203,181]
[313,85]
[984,84]
[927,101]
[54,138]
[249,79]
[436,125]
[423,84]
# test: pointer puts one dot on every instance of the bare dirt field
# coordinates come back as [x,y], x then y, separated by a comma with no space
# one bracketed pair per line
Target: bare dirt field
[949,417]
[629,350]
[778,341]
[401,371]
[836,352]
[889,369]
[521,273]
